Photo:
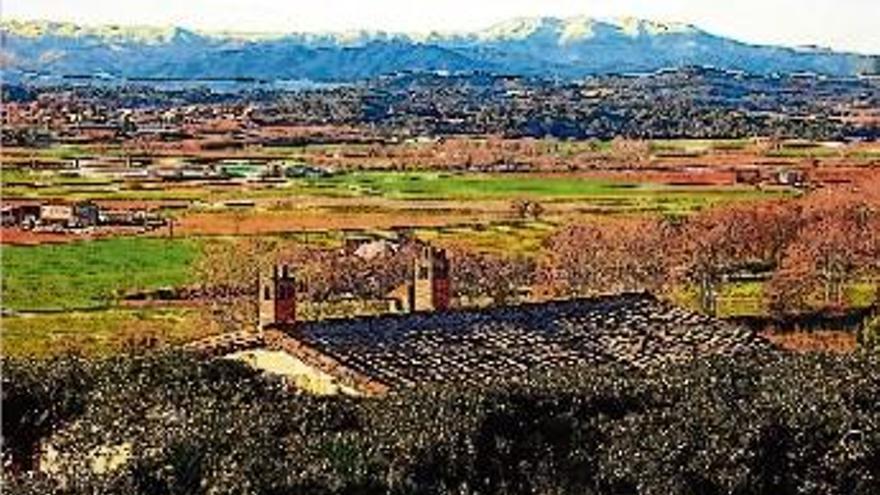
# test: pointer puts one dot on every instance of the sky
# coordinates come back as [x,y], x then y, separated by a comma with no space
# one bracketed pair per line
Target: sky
[840,24]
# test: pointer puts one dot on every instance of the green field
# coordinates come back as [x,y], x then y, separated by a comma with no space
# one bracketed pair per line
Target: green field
[73,288]
[520,238]
[596,196]
[746,298]
[697,145]
[91,274]
[470,186]
[95,332]
[428,185]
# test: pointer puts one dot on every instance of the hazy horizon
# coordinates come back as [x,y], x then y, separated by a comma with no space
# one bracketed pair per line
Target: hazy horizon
[843,25]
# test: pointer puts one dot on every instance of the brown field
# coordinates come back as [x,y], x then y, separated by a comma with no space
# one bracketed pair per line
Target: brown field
[19,237]
[323,219]
[816,341]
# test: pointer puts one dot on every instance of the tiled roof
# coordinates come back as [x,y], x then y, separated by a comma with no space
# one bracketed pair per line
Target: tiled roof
[476,345]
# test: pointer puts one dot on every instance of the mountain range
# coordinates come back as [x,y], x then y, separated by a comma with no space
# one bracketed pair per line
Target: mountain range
[548,47]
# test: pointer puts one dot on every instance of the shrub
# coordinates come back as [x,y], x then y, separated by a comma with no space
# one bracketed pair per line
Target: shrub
[761,424]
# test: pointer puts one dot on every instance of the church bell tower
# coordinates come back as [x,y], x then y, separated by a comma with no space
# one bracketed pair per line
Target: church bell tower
[277,297]
[430,288]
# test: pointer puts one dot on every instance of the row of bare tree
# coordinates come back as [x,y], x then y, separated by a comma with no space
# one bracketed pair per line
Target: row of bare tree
[807,252]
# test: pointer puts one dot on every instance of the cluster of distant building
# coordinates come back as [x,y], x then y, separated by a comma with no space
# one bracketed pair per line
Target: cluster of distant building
[66,215]
[174,169]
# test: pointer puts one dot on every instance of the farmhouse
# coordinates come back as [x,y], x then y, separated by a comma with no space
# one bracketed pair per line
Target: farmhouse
[25,214]
[434,344]
[69,216]
[81,214]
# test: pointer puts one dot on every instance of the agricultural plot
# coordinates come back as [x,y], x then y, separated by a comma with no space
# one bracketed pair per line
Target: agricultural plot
[98,332]
[424,185]
[475,187]
[326,218]
[507,238]
[88,275]
[628,190]
[63,297]
[737,299]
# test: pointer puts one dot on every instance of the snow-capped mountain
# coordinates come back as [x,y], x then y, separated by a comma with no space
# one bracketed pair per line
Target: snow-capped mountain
[560,48]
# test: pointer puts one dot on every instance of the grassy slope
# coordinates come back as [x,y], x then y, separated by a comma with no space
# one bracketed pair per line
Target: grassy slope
[95,332]
[90,274]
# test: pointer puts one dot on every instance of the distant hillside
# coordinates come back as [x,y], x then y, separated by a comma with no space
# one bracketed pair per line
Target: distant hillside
[563,48]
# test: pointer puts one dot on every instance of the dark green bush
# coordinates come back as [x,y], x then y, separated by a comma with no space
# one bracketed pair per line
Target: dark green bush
[773,424]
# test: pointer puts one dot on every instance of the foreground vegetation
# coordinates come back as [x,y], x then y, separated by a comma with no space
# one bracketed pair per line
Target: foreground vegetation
[173,424]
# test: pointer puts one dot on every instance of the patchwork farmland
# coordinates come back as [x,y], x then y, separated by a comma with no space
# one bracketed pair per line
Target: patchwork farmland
[484,211]
[436,283]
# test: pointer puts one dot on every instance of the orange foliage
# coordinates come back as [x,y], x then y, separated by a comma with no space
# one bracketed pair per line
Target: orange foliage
[607,255]
[818,341]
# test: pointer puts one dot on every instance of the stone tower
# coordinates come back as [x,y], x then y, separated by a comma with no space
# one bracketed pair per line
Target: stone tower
[277,297]
[430,289]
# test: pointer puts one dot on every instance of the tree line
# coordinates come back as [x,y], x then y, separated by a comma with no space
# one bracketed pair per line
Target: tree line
[173,424]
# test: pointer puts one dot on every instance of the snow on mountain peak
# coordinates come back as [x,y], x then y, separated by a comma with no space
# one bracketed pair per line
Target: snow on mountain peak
[632,26]
[574,29]
[514,29]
